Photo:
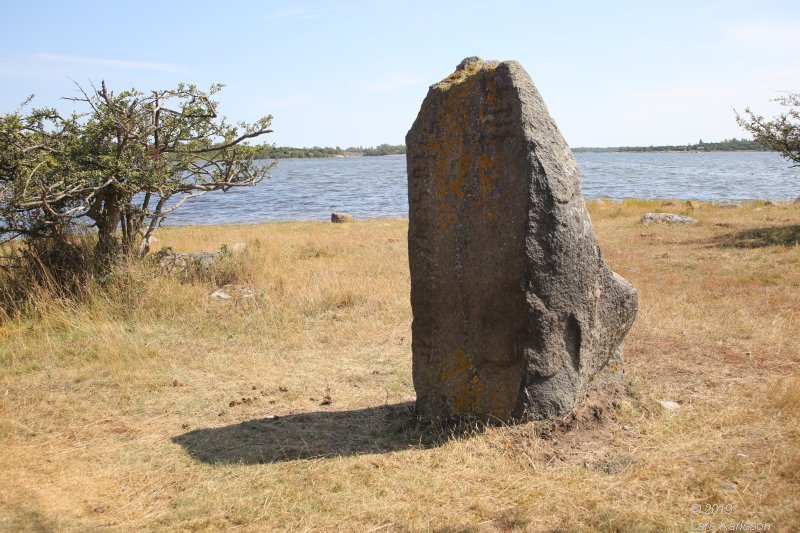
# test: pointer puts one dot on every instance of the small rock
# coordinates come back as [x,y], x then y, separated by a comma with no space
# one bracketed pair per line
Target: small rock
[244,292]
[768,202]
[233,291]
[221,295]
[797,200]
[233,248]
[730,205]
[728,487]
[668,218]
[341,218]
[169,261]
[668,204]
[669,405]
[693,204]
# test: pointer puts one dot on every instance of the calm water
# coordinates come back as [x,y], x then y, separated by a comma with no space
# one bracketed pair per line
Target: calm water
[375,187]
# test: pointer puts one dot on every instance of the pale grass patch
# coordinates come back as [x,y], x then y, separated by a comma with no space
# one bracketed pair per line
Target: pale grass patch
[146,404]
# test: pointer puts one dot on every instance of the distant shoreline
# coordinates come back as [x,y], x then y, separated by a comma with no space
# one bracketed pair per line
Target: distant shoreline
[613,151]
[289,152]
[578,150]
[661,204]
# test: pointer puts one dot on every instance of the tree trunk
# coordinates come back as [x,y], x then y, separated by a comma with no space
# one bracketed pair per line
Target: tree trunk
[108,220]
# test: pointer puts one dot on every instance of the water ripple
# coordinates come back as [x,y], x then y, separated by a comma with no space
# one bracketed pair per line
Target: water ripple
[375,187]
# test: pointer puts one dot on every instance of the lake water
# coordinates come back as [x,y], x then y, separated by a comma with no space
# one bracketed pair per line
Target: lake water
[375,187]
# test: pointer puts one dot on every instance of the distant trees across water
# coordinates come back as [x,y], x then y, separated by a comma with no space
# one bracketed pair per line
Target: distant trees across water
[728,145]
[286,152]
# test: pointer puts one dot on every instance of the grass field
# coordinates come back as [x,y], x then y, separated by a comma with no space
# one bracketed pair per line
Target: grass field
[149,405]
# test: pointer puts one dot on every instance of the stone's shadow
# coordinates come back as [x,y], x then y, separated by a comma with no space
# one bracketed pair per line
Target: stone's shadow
[760,237]
[307,435]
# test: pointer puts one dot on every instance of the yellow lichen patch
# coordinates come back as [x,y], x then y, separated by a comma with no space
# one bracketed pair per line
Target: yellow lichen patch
[459,76]
[470,393]
[474,396]
[460,363]
[465,169]
[487,174]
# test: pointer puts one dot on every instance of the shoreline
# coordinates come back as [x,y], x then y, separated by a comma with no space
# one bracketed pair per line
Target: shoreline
[652,203]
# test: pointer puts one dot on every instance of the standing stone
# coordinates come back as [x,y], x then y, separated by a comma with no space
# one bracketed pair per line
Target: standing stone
[515,310]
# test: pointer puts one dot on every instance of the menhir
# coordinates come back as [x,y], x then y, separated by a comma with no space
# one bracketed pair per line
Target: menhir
[515,311]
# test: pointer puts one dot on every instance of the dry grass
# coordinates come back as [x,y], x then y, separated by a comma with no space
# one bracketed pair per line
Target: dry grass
[149,405]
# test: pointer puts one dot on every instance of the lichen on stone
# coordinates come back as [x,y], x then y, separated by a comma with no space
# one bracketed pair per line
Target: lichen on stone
[469,66]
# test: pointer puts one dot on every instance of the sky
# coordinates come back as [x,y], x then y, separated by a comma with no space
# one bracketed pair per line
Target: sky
[354,73]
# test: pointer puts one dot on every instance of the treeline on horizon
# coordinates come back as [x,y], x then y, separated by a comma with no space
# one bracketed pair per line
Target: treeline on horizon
[727,145]
[289,152]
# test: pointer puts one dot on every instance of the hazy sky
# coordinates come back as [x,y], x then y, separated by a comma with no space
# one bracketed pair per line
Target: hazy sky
[355,73]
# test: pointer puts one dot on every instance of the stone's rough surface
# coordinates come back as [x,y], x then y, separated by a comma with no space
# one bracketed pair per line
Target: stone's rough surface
[340,218]
[669,218]
[515,311]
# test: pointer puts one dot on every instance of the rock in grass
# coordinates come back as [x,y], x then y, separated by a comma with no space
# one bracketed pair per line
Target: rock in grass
[235,247]
[668,218]
[669,405]
[220,294]
[341,218]
[169,261]
[514,310]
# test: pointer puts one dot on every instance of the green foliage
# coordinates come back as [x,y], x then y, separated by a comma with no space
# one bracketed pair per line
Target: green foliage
[288,152]
[781,133]
[120,167]
[386,149]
